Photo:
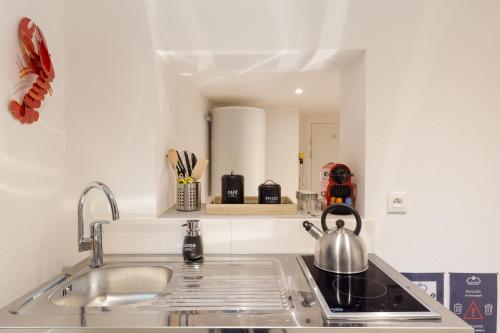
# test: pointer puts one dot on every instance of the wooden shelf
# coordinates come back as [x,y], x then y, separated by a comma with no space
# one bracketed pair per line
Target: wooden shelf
[173,214]
[251,207]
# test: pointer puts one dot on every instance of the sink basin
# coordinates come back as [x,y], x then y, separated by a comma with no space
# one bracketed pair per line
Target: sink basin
[159,284]
[113,286]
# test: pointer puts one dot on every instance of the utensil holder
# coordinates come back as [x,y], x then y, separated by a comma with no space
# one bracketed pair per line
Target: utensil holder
[188,197]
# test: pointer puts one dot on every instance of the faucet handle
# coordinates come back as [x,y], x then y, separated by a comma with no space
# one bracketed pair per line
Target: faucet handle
[96,257]
[96,227]
[84,244]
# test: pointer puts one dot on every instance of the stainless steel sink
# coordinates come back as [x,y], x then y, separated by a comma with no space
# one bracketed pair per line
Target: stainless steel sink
[113,286]
[131,284]
[159,292]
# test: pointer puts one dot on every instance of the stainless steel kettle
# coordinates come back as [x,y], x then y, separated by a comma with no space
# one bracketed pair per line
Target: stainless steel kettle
[339,250]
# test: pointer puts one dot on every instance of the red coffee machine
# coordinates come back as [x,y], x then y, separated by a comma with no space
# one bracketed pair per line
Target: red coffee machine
[337,185]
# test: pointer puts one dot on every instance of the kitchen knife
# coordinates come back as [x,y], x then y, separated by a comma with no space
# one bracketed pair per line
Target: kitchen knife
[181,165]
[194,160]
[188,164]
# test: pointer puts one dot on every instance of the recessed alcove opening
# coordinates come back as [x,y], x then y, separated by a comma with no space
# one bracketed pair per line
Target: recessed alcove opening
[310,97]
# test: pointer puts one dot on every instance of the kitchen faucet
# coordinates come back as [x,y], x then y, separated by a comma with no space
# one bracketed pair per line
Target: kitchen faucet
[94,243]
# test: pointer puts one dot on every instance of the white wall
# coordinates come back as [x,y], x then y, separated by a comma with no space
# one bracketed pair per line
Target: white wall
[282,148]
[431,82]
[182,126]
[140,105]
[112,108]
[238,234]
[112,101]
[432,110]
[32,160]
[353,127]
[432,113]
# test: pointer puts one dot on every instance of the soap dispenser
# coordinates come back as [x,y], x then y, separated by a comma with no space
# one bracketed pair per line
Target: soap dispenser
[192,250]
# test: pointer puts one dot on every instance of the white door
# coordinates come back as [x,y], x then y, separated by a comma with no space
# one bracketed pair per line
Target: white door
[324,149]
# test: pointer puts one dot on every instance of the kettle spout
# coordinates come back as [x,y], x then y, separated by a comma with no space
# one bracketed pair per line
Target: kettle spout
[312,230]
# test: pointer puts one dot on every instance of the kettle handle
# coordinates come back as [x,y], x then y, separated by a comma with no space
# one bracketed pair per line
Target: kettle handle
[333,207]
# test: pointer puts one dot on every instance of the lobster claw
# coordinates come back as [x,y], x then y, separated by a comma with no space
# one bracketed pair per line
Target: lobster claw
[26,33]
[25,29]
[43,53]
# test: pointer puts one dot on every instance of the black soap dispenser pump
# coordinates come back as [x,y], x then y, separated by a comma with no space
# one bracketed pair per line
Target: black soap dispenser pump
[192,250]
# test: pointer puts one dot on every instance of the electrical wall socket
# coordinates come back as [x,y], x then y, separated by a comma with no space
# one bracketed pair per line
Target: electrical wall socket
[396,202]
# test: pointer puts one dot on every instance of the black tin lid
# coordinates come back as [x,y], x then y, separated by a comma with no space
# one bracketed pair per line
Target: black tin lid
[269,184]
[232,176]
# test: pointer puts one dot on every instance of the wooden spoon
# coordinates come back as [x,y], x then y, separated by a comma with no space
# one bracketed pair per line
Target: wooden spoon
[173,159]
[199,168]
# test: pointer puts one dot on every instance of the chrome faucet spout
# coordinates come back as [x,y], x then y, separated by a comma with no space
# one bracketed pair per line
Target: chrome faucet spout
[94,242]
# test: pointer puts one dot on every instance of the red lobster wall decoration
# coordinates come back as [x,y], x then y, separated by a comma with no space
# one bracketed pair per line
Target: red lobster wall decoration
[35,60]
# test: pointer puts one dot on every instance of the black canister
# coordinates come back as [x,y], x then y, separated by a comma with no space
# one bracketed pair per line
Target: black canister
[233,191]
[269,193]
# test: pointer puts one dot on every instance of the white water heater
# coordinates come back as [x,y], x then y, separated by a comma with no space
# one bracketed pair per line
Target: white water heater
[238,144]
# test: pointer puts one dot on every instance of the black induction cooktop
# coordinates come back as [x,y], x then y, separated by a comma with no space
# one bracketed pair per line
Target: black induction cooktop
[372,294]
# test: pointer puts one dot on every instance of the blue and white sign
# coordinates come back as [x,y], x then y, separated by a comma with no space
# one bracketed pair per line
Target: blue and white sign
[473,297]
[431,283]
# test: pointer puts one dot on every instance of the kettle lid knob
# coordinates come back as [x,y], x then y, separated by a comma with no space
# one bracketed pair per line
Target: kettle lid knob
[340,223]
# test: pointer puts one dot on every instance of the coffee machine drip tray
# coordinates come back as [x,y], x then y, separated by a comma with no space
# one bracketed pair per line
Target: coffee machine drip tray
[371,295]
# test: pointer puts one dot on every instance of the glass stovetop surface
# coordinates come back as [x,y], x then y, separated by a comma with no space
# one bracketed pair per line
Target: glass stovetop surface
[370,291]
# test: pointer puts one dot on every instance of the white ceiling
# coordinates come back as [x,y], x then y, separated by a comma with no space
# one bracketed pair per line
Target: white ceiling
[273,89]
[264,78]
[244,24]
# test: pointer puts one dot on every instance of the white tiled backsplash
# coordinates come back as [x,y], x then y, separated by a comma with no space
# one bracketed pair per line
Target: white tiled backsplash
[224,235]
